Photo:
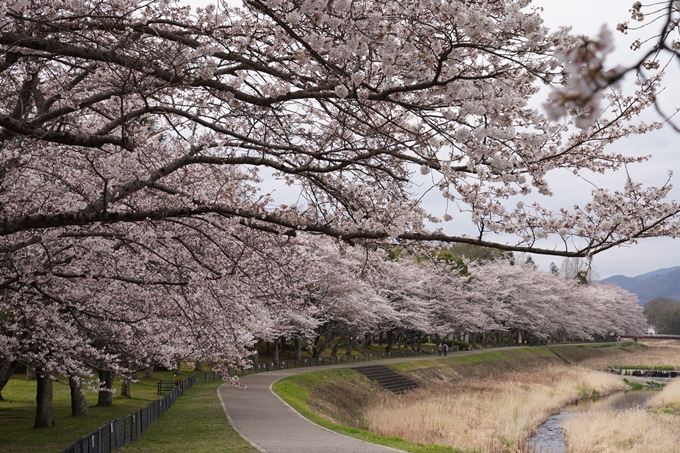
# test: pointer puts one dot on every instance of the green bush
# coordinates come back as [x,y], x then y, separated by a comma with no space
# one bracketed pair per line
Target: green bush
[463,346]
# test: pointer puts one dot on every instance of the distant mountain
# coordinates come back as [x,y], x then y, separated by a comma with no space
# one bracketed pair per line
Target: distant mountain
[655,273]
[658,283]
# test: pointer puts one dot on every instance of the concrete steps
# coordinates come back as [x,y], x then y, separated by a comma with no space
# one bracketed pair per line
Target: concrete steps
[386,378]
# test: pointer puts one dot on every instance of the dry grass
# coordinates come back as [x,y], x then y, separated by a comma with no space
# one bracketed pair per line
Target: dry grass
[634,431]
[659,353]
[668,400]
[486,414]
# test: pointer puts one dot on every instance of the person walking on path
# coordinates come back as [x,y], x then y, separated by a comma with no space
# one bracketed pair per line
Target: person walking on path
[446,349]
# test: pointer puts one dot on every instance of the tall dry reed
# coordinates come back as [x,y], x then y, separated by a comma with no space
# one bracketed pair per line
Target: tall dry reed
[633,431]
[486,414]
[668,399]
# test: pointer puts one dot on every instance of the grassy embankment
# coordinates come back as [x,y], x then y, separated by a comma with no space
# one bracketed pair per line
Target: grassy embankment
[17,413]
[522,386]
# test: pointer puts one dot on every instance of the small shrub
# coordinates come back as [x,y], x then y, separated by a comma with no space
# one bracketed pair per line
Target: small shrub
[634,386]
[463,346]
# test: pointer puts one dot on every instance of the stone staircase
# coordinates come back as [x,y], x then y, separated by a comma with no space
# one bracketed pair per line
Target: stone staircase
[386,378]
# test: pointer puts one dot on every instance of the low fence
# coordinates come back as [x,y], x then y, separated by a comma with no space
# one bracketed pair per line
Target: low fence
[321,361]
[122,431]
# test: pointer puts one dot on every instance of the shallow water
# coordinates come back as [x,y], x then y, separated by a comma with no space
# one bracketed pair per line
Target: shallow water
[549,437]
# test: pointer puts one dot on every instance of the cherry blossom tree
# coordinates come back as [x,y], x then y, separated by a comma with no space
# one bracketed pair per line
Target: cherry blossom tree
[127,112]
[545,305]
[144,146]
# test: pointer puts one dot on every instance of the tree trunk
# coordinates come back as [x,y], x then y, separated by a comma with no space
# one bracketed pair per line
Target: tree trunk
[275,353]
[366,342]
[298,349]
[178,367]
[6,370]
[199,365]
[43,398]
[334,349]
[320,347]
[78,401]
[105,398]
[30,372]
[126,381]
[148,373]
[348,349]
[125,389]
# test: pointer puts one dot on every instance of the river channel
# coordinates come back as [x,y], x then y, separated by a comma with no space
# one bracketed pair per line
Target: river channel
[549,437]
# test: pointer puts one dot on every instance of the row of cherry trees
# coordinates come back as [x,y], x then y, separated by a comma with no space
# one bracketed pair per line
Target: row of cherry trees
[362,292]
[74,325]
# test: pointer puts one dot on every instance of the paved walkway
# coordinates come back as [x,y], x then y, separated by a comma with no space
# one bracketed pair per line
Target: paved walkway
[272,426]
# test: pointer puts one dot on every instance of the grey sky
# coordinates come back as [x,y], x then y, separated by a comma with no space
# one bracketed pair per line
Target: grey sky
[586,17]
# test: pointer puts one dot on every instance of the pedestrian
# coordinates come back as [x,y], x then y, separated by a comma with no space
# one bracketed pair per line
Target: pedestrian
[439,349]
[445,348]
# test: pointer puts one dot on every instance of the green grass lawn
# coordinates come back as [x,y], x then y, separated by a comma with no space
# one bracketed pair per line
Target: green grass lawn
[196,423]
[17,413]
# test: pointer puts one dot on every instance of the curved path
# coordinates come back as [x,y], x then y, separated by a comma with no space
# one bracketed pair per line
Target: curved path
[264,420]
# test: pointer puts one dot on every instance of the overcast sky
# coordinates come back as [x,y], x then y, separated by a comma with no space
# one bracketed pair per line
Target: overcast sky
[587,17]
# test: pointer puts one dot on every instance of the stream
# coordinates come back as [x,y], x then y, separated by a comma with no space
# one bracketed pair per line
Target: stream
[549,437]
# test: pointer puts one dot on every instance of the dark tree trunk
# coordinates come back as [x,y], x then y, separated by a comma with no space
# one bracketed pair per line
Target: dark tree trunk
[30,372]
[6,370]
[365,343]
[126,382]
[199,366]
[335,346]
[125,389]
[297,354]
[348,349]
[78,401]
[389,339]
[275,353]
[148,373]
[319,346]
[43,398]
[105,398]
